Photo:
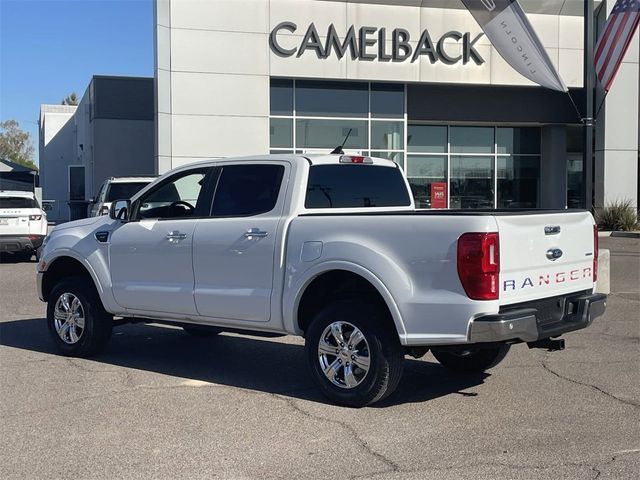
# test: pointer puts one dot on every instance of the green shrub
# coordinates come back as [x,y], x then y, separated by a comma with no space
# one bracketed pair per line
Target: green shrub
[619,215]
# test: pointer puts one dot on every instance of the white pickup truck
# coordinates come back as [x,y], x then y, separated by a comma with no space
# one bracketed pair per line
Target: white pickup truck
[330,248]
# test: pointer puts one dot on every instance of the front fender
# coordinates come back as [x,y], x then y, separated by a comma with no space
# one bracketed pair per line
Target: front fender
[80,244]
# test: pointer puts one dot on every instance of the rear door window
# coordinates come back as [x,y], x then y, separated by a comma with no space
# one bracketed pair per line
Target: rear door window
[353,186]
[246,190]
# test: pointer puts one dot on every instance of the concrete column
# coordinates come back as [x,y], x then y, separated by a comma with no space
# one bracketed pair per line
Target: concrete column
[553,167]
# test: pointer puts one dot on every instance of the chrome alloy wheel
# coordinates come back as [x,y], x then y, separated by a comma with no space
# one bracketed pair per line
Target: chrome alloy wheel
[344,354]
[68,318]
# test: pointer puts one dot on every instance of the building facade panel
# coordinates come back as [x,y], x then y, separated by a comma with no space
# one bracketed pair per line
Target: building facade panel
[244,83]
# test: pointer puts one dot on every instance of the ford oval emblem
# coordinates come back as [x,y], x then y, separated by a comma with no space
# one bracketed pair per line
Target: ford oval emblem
[553,254]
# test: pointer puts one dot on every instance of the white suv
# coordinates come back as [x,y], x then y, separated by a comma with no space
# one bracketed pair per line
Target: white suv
[116,189]
[23,224]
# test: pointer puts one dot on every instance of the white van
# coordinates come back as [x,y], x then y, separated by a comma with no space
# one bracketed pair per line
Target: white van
[23,224]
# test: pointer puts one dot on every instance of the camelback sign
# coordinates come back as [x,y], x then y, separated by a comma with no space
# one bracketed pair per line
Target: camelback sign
[370,44]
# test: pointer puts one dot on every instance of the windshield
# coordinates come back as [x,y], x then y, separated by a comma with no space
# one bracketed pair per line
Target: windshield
[18,202]
[352,186]
[124,191]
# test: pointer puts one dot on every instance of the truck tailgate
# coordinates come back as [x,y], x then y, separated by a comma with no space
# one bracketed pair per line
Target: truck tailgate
[544,255]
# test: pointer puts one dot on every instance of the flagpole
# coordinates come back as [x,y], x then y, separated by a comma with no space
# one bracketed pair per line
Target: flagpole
[589,84]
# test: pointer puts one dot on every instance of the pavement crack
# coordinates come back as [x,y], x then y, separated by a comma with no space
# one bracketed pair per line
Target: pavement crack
[624,401]
[391,466]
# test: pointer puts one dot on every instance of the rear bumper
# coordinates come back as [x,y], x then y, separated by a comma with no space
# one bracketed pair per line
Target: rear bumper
[20,243]
[529,325]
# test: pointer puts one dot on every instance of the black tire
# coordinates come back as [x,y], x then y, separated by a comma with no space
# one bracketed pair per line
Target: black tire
[38,253]
[201,331]
[385,354]
[97,322]
[472,359]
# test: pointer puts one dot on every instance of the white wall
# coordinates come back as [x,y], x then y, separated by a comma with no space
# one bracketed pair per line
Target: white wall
[57,151]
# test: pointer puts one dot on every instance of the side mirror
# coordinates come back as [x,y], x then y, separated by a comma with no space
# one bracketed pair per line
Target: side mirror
[120,210]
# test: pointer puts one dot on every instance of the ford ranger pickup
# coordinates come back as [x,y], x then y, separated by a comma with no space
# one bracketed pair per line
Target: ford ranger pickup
[330,248]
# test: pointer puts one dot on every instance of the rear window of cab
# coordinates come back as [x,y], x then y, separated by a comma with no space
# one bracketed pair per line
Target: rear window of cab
[356,186]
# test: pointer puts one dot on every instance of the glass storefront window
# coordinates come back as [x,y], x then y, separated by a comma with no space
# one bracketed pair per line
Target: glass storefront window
[422,171]
[387,100]
[280,152]
[575,180]
[281,97]
[427,139]
[281,133]
[518,140]
[313,133]
[471,182]
[331,99]
[575,167]
[387,135]
[472,139]
[518,181]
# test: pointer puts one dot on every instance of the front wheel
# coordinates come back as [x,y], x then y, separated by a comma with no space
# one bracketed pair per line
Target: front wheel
[354,353]
[471,359]
[77,321]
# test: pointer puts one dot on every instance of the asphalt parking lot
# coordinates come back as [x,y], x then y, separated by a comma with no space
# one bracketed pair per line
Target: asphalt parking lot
[161,404]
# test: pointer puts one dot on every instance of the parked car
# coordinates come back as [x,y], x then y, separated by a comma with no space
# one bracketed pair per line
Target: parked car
[23,224]
[329,248]
[115,188]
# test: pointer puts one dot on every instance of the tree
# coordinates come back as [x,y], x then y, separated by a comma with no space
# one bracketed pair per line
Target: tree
[70,99]
[15,144]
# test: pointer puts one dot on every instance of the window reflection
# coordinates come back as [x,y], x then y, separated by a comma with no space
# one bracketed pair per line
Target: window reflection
[422,172]
[471,182]
[313,133]
[518,181]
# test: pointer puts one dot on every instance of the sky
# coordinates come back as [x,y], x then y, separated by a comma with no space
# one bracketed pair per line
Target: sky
[50,48]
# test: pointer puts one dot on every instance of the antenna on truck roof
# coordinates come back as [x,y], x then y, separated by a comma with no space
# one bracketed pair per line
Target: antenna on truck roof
[338,150]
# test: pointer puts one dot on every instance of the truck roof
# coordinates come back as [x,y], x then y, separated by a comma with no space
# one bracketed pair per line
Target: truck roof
[16,193]
[131,179]
[313,159]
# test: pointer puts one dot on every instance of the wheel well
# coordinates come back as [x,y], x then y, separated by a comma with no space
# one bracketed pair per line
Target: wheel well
[62,267]
[336,285]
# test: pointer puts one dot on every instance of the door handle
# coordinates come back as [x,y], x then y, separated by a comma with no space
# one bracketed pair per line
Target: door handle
[255,232]
[175,236]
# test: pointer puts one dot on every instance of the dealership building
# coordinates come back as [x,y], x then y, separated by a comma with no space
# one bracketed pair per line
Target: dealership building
[415,81]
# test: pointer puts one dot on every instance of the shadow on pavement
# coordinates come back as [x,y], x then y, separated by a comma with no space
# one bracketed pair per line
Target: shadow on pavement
[260,364]
[19,257]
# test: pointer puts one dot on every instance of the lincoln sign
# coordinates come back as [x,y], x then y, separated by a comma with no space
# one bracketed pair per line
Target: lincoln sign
[370,43]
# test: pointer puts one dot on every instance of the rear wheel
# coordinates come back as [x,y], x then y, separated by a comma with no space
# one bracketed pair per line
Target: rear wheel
[77,321]
[471,359]
[354,353]
[201,331]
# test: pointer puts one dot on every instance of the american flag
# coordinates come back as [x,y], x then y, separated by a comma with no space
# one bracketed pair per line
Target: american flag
[615,39]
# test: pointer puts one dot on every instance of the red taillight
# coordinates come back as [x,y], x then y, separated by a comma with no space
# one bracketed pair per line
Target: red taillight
[595,253]
[479,265]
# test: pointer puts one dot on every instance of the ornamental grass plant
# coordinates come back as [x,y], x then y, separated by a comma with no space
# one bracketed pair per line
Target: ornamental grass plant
[619,215]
